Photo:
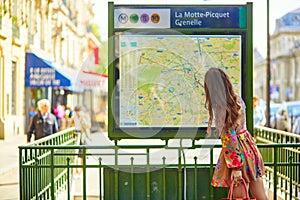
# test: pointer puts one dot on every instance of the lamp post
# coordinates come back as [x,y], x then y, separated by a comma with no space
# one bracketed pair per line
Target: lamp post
[268,70]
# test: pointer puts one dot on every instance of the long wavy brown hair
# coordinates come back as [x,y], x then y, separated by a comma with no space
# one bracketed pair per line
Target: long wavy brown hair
[220,95]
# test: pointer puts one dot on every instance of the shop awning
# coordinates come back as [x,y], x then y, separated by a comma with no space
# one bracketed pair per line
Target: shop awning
[93,81]
[72,74]
[83,80]
[42,73]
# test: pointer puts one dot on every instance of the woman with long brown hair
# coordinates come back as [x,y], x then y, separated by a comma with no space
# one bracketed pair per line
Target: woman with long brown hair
[239,157]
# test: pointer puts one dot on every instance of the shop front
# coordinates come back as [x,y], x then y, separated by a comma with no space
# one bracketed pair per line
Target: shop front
[45,81]
[68,86]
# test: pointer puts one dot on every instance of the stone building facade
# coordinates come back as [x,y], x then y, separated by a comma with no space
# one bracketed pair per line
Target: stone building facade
[284,61]
[55,30]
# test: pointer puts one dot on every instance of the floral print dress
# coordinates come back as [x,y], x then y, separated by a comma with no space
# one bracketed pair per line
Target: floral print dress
[238,151]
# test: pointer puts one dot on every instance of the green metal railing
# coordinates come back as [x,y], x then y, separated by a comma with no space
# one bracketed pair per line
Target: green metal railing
[284,171]
[145,172]
[36,180]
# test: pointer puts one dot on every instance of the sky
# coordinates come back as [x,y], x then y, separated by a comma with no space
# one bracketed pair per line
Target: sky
[277,8]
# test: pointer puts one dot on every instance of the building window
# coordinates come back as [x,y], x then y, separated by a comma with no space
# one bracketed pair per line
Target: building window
[64,2]
[14,88]
[1,85]
[30,22]
[15,20]
[42,31]
[1,13]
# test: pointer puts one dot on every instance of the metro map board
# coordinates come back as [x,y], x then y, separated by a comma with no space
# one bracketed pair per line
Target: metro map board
[161,77]
[161,54]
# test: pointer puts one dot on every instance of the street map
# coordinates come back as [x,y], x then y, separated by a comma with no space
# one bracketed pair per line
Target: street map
[161,77]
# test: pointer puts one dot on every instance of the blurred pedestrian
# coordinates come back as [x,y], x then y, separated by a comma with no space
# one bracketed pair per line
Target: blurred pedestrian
[59,112]
[32,112]
[69,113]
[282,120]
[43,123]
[82,123]
[258,113]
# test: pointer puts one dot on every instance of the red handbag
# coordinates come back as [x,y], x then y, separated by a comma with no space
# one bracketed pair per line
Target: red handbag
[230,192]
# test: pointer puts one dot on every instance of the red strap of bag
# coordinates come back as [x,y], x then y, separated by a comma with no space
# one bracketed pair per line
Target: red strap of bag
[230,192]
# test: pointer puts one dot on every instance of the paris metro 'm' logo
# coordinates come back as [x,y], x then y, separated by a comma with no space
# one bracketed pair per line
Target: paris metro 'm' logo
[123,18]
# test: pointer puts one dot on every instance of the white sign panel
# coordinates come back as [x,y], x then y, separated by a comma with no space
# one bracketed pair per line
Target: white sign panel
[141,18]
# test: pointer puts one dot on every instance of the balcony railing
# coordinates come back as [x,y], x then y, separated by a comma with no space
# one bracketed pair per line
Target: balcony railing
[161,171]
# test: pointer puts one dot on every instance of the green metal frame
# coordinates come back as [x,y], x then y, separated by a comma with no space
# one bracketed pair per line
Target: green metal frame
[247,73]
[46,168]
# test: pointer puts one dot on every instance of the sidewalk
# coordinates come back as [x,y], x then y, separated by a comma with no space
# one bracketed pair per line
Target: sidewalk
[9,153]
[9,167]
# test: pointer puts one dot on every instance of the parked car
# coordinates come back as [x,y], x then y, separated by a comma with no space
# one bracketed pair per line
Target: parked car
[293,108]
[287,114]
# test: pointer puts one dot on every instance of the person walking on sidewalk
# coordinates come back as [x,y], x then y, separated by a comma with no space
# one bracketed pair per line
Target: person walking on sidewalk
[82,123]
[259,116]
[43,123]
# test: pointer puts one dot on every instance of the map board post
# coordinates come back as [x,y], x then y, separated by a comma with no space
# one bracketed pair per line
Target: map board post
[158,56]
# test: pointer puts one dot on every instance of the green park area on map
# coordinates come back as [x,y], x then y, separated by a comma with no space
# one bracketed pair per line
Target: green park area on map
[161,77]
